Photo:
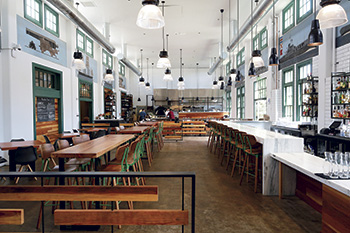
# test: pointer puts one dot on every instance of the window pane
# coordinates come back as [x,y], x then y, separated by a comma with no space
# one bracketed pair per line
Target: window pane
[304,7]
[80,41]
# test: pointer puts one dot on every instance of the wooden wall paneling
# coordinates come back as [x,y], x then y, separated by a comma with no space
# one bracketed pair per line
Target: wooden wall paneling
[11,216]
[121,217]
[335,211]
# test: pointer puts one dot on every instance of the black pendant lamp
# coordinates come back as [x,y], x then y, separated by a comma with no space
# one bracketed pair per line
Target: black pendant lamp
[181,80]
[256,54]
[273,59]
[139,99]
[315,35]
[163,61]
[141,79]
[251,72]
[238,76]
[147,85]
[197,64]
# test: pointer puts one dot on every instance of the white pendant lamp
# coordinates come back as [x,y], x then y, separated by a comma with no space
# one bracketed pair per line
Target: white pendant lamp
[78,61]
[332,14]
[150,16]
[109,76]
[167,75]
[257,59]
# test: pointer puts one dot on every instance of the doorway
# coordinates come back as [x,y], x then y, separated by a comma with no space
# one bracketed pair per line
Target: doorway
[85,99]
[85,112]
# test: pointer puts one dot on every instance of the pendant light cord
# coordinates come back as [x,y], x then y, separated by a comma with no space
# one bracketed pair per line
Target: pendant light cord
[141,61]
[180,62]
[273,23]
[197,78]
[167,42]
[163,31]
[147,69]
[222,36]
[251,22]
[315,9]
[238,28]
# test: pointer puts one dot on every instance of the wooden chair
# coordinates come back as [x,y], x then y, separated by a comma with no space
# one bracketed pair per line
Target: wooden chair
[240,147]
[77,140]
[233,148]
[131,159]
[253,149]
[85,137]
[148,141]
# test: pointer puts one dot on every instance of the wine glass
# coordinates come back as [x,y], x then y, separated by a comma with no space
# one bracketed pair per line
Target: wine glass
[334,170]
[344,166]
[327,164]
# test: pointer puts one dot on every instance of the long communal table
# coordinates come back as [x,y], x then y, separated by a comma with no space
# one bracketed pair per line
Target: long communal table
[134,130]
[272,142]
[329,197]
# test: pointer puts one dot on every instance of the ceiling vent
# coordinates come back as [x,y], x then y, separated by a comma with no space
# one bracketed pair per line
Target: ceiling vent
[88,4]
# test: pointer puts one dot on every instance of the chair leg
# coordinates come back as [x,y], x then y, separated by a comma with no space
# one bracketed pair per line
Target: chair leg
[20,170]
[256,173]
[242,174]
[248,163]
[39,217]
[30,169]
[235,162]
[148,152]
[209,138]
[232,151]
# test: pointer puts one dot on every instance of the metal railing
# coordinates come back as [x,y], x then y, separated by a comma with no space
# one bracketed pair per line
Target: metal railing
[62,175]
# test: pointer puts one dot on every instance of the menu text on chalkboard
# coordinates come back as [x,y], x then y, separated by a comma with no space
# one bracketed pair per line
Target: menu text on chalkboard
[45,109]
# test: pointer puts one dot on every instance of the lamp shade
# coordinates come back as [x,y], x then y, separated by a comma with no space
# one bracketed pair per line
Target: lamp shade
[163,62]
[257,60]
[181,88]
[222,86]
[150,16]
[167,75]
[238,76]
[109,76]
[215,85]
[142,81]
[221,80]
[315,35]
[197,99]
[273,59]
[332,14]
[251,72]
[78,60]
[139,99]
[233,74]
[229,82]
[148,86]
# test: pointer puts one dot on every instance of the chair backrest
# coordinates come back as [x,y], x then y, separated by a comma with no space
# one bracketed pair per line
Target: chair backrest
[108,130]
[47,140]
[25,155]
[117,129]
[122,153]
[46,150]
[85,137]
[77,140]
[100,133]
[62,144]
[12,152]
[132,149]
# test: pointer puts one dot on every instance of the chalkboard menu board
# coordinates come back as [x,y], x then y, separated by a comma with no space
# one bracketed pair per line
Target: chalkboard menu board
[45,109]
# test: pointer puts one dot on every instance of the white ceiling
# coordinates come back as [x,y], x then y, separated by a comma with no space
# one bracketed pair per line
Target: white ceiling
[193,25]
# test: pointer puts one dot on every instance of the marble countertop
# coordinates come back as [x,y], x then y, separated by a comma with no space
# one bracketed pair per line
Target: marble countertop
[259,133]
[310,164]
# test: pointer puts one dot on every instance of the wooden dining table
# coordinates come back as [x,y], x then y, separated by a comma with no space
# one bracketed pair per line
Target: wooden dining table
[91,130]
[14,146]
[68,135]
[134,130]
[149,123]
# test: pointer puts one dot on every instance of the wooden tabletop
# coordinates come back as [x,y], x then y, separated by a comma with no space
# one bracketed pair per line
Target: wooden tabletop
[15,145]
[93,148]
[68,135]
[134,130]
[148,123]
[90,130]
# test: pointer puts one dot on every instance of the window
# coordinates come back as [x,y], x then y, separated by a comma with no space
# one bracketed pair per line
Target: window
[240,58]
[51,21]
[46,79]
[263,39]
[89,47]
[85,89]
[260,99]
[80,41]
[107,59]
[240,103]
[288,93]
[33,11]
[121,69]
[288,17]
[256,42]
[228,102]
[303,70]
[304,9]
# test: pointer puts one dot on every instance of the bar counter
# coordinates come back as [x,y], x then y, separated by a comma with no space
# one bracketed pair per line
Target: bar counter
[272,143]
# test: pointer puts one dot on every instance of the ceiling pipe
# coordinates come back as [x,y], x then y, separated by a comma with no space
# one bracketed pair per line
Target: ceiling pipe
[76,17]
[259,11]
[217,63]
[128,64]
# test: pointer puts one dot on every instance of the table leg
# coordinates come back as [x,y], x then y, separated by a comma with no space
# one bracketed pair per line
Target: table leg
[12,164]
[97,182]
[61,179]
[280,188]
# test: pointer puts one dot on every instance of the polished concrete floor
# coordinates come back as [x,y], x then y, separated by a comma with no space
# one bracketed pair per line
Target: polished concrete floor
[221,204]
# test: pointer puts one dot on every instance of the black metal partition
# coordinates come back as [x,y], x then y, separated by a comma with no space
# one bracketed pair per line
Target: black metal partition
[98,175]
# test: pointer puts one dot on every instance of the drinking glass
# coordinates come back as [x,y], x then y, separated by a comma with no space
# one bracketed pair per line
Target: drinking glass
[327,164]
[344,166]
[334,169]
[347,159]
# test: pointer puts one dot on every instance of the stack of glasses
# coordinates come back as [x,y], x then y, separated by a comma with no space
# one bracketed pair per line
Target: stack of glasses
[337,165]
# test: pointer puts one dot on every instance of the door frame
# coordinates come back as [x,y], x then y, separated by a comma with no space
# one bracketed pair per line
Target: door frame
[81,79]
[49,93]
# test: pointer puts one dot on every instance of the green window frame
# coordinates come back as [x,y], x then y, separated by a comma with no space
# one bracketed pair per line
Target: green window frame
[263,38]
[256,42]
[288,17]
[303,69]
[304,9]
[240,57]
[260,97]
[33,11]
[288,93]
[228,102]
[107,59]
[240,102]
[85,90]
[121,69]
[89,47]
[81,40]
[51,20]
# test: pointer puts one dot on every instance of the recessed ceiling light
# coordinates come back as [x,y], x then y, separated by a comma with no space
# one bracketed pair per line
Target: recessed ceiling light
[88,3]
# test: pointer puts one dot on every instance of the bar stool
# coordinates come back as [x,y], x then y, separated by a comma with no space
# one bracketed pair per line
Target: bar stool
[214,136]
[240,147]
[252,149]
[225,142]
[233,148]
[211,132]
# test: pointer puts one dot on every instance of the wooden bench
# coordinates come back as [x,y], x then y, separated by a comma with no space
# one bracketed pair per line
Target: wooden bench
[126,125]
[11,216]
[95,125]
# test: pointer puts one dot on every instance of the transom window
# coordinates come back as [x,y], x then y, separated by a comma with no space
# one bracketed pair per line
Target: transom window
[46,79]
[51,21]
[260,98]
[288,94]
[304,9]
[89,47]
[240,103]
[85,89]
[107,59]
[80,41]
[263,38]
[33,11]
[240,58]
[288,17]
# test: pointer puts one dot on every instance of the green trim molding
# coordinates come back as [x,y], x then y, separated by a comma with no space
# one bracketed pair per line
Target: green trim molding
[306,14]
[284,85]
[263,46]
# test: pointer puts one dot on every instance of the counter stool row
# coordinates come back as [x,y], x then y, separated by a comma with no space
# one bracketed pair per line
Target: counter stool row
[237,147]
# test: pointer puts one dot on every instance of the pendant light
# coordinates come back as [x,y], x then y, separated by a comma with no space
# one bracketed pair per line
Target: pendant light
[139,99]
[215,83]
[251,72]
[332,14]
[78,61]
[273,59]
[181,80]
[163,61]
[109,76]
[315,35]
[256,54]
[150,16]
[197,64]
[167,75]
[147,85]
[238,77]
[141,80]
